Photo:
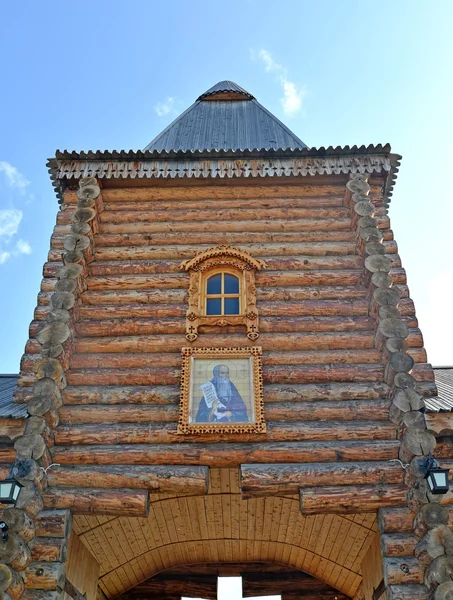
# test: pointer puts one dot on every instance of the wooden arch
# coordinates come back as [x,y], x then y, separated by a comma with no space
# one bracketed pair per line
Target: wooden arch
[221,527]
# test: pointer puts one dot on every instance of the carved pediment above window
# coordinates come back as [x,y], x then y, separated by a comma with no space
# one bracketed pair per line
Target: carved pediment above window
[222,290]
[217,254]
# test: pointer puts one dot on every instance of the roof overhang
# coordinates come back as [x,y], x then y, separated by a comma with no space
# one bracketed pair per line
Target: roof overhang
[143,165]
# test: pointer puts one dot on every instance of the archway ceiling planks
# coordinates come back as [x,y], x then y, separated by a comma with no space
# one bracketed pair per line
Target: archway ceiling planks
[222,528]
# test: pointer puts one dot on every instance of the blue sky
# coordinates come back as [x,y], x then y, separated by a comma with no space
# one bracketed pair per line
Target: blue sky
[112,75]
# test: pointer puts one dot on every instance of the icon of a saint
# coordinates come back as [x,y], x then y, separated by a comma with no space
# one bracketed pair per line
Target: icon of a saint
[221,401]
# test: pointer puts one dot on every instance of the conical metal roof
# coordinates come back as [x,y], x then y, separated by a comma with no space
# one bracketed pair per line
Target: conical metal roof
[226,117]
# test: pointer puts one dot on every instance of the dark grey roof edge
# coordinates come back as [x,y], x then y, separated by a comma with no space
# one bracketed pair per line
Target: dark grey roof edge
[281,124]
[225,86]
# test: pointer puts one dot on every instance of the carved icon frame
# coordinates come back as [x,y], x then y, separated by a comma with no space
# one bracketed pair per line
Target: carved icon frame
[203,409]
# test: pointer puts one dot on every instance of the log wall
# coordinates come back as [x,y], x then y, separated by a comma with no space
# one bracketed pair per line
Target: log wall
[326,393]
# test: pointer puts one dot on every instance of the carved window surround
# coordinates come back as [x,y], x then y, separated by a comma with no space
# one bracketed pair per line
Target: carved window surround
[217,260]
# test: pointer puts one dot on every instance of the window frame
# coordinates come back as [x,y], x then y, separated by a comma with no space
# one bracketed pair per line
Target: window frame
[204,296]
[222,259]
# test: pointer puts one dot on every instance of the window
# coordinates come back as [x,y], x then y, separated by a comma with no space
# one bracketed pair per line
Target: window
[222,295]
[222,290]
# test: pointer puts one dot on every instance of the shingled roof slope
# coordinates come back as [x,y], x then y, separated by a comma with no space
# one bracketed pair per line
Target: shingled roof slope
[8,408]
[238,122]
[443,402]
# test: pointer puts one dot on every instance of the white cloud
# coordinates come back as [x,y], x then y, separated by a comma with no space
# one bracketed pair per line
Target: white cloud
[165,107]
[433,313]
[14,178]
[23,247]
[9,226]
[293,94]
[292,97]
[269,62]
[9,223]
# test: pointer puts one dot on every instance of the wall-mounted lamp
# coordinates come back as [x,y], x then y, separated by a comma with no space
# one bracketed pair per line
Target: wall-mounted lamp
[436,477]
[4,531]
[9,491]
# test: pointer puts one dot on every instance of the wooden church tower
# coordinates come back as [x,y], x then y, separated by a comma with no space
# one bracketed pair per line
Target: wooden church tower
[224,376]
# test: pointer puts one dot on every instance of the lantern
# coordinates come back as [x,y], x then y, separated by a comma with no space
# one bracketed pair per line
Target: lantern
[436,477]
[9,491]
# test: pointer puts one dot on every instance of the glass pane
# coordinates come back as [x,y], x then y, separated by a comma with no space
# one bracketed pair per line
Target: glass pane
[440,478]
[16,491]
[214,306]
[231,306]
[214,284]
[5,489]
[231,284]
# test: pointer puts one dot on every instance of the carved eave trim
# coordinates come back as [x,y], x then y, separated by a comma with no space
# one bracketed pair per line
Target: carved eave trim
[64,169]
[220,252]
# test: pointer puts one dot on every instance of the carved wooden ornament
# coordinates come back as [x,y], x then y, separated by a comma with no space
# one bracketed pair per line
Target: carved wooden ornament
[222,259]
[221,391]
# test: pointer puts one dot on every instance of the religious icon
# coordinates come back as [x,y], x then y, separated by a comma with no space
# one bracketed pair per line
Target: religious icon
[221,390]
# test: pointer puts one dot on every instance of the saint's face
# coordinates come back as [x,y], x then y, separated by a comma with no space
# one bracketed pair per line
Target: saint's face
[224,373]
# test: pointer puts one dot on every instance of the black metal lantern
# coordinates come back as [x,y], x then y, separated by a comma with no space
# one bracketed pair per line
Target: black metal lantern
[9,491]
[436,477]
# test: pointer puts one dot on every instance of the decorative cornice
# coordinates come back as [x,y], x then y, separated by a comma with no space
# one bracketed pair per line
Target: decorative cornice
[126,165]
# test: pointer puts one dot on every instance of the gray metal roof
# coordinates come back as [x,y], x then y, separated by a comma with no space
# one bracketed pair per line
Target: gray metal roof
[8,408]
[443,402]
[236,124]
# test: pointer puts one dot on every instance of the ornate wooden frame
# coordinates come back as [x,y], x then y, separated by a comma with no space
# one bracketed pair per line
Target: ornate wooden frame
[215,260]
[188,354]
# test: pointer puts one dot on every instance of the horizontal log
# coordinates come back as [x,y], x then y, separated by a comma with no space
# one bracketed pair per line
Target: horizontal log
[134,203]
[408,592]
[218,192]
[181,280]
[277,411]
[226,455]
[199,225]
[403,570]
[288,263]
[41,575]
[351,499]
[134,326]
[151,297]
[163,433]
[278,480]
[49,549]
[272,374]
[220,214]
[398,544]
[272,393]
[312,308]
[395,520]
[107,238]
[53,523]
[300,584]
[165,479]
[173,343]
[182,252]
[173,359]
[81,501]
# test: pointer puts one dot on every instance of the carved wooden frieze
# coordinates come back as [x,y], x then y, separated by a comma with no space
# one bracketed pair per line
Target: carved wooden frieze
[223,266]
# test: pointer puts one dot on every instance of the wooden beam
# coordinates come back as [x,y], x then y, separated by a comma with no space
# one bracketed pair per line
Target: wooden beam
[351,499]
[186,480]
[225,455]
[82,501]
[277,480]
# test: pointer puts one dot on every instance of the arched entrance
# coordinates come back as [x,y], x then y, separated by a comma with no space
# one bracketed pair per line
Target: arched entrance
[220,527]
